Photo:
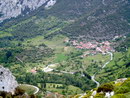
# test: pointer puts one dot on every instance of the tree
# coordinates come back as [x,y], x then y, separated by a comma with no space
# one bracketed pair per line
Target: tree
[8,54]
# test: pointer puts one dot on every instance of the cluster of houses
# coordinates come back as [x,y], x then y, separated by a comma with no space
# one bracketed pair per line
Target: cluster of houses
[102,47]
[93,47]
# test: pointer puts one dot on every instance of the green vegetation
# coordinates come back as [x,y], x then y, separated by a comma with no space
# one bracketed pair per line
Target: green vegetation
[5,34]
[38,52]
[60,58]
[98,95]
[18,93]
[63,89]
[31,43]
[118,68]
[28,88]
[123,88]
[107,87]
[120,91]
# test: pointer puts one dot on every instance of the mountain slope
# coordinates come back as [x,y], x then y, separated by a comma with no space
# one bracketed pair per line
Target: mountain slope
[13,8]
[115,89]
[62,14]
[106,20]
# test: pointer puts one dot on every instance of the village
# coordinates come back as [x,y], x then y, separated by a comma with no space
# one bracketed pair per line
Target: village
[92,48]
[88,48]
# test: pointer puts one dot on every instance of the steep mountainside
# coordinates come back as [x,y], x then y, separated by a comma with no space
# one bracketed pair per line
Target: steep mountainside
[91,19]
[13,8]
[107,21]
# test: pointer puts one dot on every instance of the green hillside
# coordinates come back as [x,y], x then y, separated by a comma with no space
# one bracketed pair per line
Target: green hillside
[58,49]
[119,89]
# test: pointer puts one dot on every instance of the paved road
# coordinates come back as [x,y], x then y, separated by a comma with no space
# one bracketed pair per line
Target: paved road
[111,58]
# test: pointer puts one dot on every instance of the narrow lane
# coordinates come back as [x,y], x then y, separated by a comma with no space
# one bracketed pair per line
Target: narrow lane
[93,77]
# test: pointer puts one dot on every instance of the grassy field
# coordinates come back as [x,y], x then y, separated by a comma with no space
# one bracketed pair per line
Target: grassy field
[28,88]
[60,57]
[54,43]
[99,59]
[63,89]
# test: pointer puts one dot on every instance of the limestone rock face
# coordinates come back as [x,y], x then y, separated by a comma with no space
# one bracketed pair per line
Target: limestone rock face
[50,3]
[7,80]
[13,8]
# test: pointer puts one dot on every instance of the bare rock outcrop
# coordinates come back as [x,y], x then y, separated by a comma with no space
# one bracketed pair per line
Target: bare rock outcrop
[13,8]
[7,81]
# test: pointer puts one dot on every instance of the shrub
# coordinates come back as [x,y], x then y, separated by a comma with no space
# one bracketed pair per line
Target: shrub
[119,96]
[8,95]
[107,87]
[126,83]
[33,96]
[3,94]
[128,79]
[124,88]
[121,90]
[19,91]
[77,96]
[89,93]
[99,95]
[118,84]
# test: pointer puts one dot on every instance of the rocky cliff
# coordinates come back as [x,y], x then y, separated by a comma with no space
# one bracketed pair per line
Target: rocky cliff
[13,8]
[7,81]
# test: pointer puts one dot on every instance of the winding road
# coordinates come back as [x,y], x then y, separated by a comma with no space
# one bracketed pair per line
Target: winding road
[48,69]
[37,89]
[111,58]
[93,79]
